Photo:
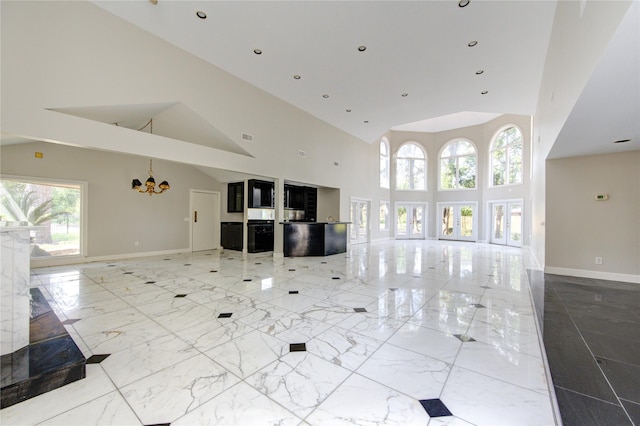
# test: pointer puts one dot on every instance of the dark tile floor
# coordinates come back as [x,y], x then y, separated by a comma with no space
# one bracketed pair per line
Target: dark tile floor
[592,338]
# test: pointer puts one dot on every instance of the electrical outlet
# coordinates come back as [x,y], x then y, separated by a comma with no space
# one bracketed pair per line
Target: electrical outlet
[598,260]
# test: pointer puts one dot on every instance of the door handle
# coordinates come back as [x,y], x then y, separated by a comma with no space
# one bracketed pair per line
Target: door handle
[195,216]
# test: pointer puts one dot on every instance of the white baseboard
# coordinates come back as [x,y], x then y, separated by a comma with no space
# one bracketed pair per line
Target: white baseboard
[71,260]
[599,275]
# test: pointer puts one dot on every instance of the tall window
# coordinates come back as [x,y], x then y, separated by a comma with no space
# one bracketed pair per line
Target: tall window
[54,209]
[411,168]
[458,165]
[506,157]
[384,216]
[384,163]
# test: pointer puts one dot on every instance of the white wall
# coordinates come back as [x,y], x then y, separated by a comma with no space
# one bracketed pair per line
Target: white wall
[579,229]
[581,31]
[118,216]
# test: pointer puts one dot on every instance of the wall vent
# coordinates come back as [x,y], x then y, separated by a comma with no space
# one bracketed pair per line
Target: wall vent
[247,137]
[301,153]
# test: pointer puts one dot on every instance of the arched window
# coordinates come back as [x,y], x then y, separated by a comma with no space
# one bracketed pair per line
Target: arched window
[506,157]
[384,163]
[411,168]
[458,165]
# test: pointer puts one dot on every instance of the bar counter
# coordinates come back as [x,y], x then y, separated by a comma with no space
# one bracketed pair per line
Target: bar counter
[314,238]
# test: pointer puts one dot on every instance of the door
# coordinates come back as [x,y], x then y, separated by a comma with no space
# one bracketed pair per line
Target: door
[410,221]
[359,228]
[506,223]
[458,221]
[205,220]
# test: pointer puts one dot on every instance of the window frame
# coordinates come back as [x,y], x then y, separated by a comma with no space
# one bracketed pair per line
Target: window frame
[84,214]
[411,167]
[439,172]
[388,216]
[387,160]
[507,168]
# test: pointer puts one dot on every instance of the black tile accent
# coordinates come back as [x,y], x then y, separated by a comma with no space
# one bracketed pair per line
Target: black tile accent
[150,282]
[294,292]
[464,338]
[111,265]
[180,295]
[128,273]
[432,267]
[478,305]
[485,287]
[225,315]
[160,424]
[360,309]
[247,280]
[393,289]
[97,359]
[258,263]
[166,259]
[291,270]
[324,263]
[70,321]
[213,270]
[335,278]
[298,347]
[187,264]
[435,408]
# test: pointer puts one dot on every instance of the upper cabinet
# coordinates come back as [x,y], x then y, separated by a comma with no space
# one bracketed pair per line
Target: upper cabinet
[261,194]
[235,197]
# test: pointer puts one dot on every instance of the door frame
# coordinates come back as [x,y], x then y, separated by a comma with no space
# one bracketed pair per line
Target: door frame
[456,205]
[355,225]
[411,204]
[216,221]
[507,227]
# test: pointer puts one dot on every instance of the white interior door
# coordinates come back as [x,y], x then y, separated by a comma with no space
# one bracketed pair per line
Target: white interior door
[506,223]
[458,221]
[205,220]
[360,211]
[410,221]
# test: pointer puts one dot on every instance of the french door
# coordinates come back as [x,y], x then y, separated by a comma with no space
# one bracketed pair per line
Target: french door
[458,221]
[410,221]
[506,223]
[360,210]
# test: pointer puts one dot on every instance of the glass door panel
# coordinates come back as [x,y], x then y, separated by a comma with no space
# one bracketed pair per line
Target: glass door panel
[498,224]
[447,222]
[466,220]
[410,221]
[506,223]
[515,225]
[458,221]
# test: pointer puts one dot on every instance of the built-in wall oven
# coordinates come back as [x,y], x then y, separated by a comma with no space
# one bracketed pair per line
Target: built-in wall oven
[259,236]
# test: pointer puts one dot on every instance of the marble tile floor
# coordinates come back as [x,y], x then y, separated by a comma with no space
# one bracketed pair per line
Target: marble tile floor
[389,333]
[592,338]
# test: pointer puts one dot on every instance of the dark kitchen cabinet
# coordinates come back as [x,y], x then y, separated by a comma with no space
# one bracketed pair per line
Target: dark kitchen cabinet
[235,197]
[310,204]
[231,234]
[261,194]
[294,197]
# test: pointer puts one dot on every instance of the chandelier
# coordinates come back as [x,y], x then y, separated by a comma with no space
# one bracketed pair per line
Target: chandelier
[150,184]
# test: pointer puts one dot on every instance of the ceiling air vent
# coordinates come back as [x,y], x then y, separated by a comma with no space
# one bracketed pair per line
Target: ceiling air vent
[247,137]
[301,153]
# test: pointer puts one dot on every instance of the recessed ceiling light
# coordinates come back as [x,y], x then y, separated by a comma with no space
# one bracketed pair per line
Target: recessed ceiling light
[200,14]
[479,72]
[472,43]
[404,95]
[297,77]
[325,96]
[463,3]
[348,110]
[362,48]
[484,92]
[257,51]
[623,141]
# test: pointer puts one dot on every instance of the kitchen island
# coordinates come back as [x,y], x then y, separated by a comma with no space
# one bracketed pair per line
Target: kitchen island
[314,238]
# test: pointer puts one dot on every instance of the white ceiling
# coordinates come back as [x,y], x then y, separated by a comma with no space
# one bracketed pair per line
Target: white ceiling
[415,47]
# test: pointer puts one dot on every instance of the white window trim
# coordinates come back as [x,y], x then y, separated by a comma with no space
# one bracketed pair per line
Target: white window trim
[440,188]
[490,165]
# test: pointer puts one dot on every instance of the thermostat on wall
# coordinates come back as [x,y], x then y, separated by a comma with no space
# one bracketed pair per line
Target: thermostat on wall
[601,197]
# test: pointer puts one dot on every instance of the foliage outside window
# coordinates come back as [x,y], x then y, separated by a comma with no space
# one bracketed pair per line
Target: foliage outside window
[384,164]
[458,166]
[411,168]
[506,158]
[384,216]
[53,209]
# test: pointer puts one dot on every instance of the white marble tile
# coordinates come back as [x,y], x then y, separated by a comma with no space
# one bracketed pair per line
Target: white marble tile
[498,362]
[298,381]
[428,342]
[294,328]
[327,312]
[213,332]
[444,321]
[172,392]
[110,409]
[343,347]
[371,325]
[108,321]
[122,338]
[239,405]
[482,400]
[55,402]
[293,302]
[249,353]
[511,339]
[360,401]
[411,373]
[142,360]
